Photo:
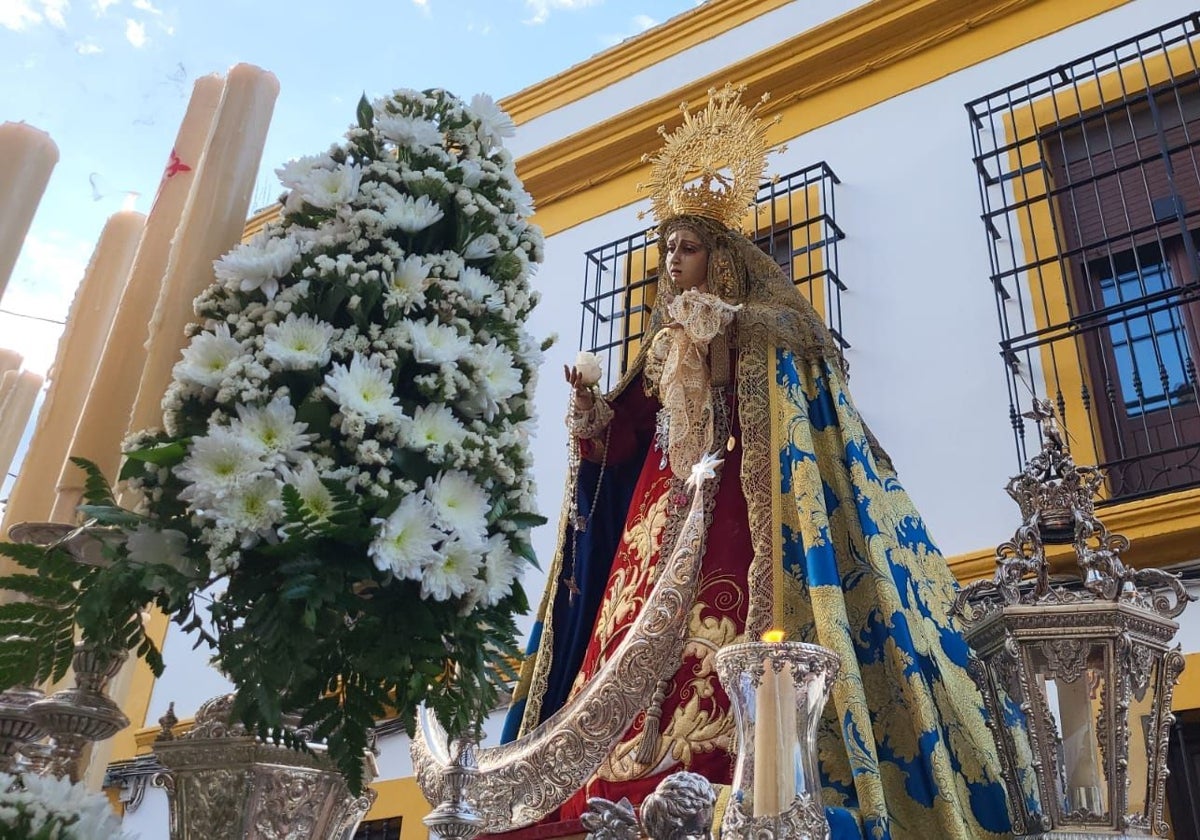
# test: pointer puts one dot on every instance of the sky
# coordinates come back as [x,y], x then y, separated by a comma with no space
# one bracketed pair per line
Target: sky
[109,80]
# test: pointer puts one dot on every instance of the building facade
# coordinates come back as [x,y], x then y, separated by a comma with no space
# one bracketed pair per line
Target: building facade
[988,200]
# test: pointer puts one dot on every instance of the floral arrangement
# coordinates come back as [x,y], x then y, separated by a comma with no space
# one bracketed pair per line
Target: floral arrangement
[36,808]
[339,500]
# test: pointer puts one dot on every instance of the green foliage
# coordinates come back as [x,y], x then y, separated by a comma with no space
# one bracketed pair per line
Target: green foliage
[39,632]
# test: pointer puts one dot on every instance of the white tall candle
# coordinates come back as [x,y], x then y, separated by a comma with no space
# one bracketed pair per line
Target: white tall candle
[7,381]
[774,737]
[79,349]
[212,224]
[1079,741]
[766,749]
[9,360]
[105,414]
[27,157]
[14,415]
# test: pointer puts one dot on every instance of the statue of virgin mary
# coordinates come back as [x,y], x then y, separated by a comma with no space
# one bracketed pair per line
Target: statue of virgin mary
[809,531]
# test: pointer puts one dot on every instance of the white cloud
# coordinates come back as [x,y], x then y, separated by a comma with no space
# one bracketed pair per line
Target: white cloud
[56,12]
[21,14]
[101,6]
[643,22]
[17,15]
[541,8]
[135,32]
[423,5]
[88,47]
[146,6]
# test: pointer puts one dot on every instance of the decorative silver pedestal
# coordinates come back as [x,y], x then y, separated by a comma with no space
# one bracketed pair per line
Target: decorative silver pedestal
[18,725]
[76,717]
[227,785]
[454,818]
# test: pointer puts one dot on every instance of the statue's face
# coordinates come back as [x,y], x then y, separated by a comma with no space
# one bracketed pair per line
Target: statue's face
[687,260]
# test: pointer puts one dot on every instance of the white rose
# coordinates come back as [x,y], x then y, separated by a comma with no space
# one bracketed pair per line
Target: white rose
[589,367]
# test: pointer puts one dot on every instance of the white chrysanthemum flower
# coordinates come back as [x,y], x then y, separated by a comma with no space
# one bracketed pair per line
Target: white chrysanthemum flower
[437,344]
[522,201]
[435,426]
[494,123]
[496,374]
[314,495]
[452,571]
[299,342]
[501,568]
[408,131]
[148,545]
[217,464]
[297,170]
[481,247]
[273,427]
[206,360]
[472,172]
[330,188]
[410,279]
[460,506]
[412,215]
[252,510]
[364,388]
[478,287]
[66,809]
[258,263]
[406,540]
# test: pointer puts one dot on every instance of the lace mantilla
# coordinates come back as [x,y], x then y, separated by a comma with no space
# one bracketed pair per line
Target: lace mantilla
[684,384]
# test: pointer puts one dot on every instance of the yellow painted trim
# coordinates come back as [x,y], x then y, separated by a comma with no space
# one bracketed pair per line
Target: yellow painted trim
[402,798]
[633,55]
[1187,691]
[1163,530]
[873,53]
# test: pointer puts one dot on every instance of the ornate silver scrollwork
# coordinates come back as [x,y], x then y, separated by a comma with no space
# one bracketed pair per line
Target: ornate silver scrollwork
[228,785]
[803,820]
[1057,499]
[520,782]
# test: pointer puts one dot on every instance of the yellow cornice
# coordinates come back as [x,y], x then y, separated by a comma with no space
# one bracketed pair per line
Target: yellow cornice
[633,55]
[1163,530]
[918,41]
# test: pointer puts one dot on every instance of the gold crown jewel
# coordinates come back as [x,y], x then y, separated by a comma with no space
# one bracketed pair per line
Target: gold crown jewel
[713,164]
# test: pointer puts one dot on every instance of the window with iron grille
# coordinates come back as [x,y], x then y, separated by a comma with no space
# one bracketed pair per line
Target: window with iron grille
[1089,179]
[794,222]
[379,830]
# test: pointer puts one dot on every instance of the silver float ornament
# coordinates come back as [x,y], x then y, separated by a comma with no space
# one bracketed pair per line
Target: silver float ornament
[1077,677]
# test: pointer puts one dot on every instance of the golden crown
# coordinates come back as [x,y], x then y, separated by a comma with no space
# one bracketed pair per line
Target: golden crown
[711,165]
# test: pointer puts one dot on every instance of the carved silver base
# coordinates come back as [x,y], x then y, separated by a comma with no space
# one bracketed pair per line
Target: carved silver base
[803,820]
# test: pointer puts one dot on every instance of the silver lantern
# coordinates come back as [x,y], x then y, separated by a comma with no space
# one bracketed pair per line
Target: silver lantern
[1077,674]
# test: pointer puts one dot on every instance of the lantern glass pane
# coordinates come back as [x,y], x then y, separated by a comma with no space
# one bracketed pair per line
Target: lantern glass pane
[1073,675]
